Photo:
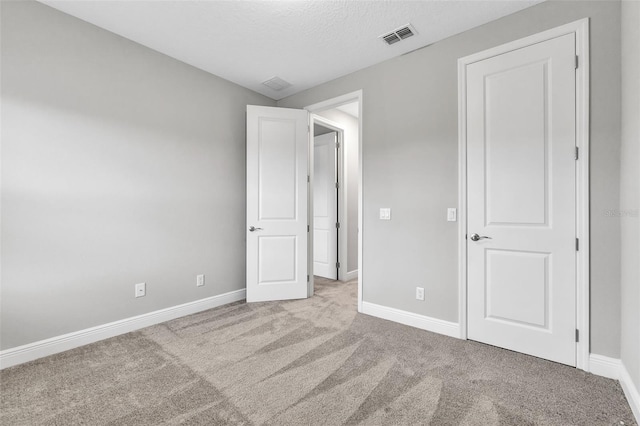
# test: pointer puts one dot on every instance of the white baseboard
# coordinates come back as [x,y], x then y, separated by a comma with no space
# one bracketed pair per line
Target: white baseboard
[351,275]
[435,325]
[631,392]
[54,345]
[614,369]
[605,366]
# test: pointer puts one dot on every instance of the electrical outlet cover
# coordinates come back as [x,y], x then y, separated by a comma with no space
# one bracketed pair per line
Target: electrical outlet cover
[140,289]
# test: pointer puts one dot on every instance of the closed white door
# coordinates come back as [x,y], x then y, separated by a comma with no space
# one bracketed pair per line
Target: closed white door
[325,208]
[521,242]
[277,188]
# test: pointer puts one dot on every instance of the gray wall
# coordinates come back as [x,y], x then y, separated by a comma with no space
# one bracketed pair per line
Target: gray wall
[119,165]
[410,153]
[630,189]
[350,126]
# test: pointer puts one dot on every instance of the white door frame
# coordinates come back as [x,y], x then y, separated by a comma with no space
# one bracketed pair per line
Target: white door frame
[330,104]
[342,194]
[581,30]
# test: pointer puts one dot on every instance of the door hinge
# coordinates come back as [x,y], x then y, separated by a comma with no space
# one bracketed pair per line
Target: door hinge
[577,152]
[337,185]
[308,230]
[577,244]
[307,278]
[337,265]
[577,335]
[337,145]
[308,178]
[577,62]
[337,225]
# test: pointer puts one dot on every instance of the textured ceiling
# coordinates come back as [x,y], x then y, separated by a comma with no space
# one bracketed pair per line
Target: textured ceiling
[303,42]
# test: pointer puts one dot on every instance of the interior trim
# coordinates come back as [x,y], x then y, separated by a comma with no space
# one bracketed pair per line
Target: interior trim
[423,322]
[614,368]
[54,345]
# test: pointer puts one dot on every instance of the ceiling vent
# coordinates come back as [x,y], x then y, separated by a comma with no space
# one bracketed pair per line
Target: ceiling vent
[399,34]
[276,83]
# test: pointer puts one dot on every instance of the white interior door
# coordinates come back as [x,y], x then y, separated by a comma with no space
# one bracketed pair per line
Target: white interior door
[325,208]
[521,194]
[277,200]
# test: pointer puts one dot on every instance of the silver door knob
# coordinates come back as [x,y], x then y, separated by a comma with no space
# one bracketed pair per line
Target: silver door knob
[253,228]
[476,237]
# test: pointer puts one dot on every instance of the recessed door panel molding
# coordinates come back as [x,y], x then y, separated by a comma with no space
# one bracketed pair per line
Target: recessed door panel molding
[277,169]
[323,178]
[321,247]
[521,199]
[278,259]
[277,203]
[517,287]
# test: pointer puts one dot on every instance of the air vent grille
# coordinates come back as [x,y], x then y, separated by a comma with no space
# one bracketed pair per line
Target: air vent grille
[404,32]
[391,38]
[276,83]
[399,34]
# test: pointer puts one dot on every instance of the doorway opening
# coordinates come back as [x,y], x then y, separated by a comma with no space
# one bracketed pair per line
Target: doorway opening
[340,118]
[327,188]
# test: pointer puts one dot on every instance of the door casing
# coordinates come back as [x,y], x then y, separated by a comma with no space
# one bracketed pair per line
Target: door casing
[581,30]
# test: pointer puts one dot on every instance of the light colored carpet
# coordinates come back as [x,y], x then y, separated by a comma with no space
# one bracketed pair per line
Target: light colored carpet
[305,362]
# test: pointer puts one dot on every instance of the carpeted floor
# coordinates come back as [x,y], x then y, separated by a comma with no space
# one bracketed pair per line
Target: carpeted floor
[304,362]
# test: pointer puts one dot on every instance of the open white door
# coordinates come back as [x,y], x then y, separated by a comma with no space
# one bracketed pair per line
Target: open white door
[325,208]
[277,203]
[521,121]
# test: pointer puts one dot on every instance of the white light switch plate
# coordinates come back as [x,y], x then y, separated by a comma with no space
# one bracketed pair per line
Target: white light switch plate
[452,214]
[385,214]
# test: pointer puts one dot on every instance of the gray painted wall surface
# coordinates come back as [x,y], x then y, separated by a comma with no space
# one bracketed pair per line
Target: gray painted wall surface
[350,126]
[630,189]
[119,165]
[410,151]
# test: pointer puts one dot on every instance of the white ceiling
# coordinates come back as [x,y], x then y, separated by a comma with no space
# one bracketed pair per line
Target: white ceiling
[305,42]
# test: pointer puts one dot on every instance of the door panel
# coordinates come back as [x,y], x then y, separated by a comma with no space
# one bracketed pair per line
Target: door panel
[520,201]
[277,169]
[521,193]
[278,258]
[277,196]
[512,296]
[325,213]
